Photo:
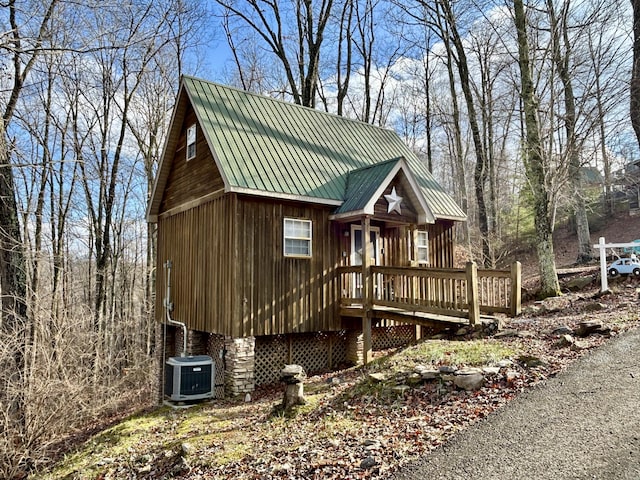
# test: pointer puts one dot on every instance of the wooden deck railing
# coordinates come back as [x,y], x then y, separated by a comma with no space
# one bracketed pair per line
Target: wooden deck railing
[452,292]
[500,290]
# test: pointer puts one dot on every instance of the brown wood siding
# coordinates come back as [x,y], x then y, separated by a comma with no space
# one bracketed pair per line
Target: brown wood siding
[199,242]
[190,180]
[396,246]
[282,294]
[397,243]
[441,244]
[230,275]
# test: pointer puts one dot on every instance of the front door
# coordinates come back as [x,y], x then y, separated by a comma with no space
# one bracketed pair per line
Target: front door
[357,250]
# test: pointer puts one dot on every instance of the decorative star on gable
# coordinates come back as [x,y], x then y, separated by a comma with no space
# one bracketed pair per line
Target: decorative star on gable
[394,201]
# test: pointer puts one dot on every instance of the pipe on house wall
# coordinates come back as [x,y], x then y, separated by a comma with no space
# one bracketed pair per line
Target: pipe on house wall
[168,308]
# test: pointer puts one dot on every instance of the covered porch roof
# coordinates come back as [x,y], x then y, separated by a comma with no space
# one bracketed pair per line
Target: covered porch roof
[366,189]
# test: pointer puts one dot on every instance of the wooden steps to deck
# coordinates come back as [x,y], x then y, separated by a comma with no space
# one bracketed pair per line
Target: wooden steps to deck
[424,319]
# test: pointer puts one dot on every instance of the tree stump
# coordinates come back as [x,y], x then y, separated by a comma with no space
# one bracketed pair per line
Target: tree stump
[293,376]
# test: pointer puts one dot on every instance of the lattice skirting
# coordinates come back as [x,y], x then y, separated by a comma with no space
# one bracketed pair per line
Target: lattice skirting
[270,356]
[392,337]
[315,352]
[215,348]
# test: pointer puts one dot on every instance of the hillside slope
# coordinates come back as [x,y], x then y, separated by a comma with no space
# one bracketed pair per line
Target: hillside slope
[358,422]
[620,228]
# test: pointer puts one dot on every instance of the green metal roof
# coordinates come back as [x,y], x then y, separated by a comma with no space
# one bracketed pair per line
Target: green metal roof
[270,147]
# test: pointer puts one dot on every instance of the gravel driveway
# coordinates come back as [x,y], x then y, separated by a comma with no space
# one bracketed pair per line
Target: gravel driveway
[582,424]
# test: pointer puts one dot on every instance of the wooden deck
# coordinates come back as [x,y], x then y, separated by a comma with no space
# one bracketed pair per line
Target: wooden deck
[428,296]
[435,293]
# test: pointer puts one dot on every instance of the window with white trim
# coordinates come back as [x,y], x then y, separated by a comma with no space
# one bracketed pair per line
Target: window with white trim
[191,142]
[297,237]
[422,247]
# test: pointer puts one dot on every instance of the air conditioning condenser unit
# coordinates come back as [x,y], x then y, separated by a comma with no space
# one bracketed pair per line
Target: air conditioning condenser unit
[189,378]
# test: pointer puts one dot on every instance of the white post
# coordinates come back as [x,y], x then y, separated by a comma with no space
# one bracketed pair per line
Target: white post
[602,246]
[604,284]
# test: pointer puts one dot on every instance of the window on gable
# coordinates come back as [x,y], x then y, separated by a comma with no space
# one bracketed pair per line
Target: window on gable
[422,247]
[297,237]
[191,142]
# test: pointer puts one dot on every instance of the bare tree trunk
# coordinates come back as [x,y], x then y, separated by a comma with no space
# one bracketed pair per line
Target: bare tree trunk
[534,166]
[634,108]
[560,41]
[13,308]
[12,262]
[487,175]
[480,173]
[44,173]
[427,94]
[458,151]
[606,163]
[12,265]
[364,45]
[345,50]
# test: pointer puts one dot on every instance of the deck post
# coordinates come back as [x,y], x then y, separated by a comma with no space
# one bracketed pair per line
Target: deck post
[516,288]
[472,293]
[367,290]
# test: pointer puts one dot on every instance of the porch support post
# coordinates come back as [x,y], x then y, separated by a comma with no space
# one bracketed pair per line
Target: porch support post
[367,290]
[411,254]
[472,293]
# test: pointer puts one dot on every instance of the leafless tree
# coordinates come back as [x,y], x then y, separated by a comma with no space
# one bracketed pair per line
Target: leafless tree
[293,30]
[343,59]
[607,57]
[80,142]
[534,161]
[562,56]
[634,107]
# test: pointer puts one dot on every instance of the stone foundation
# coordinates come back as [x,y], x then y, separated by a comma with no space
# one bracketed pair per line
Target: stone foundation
[355,347]
[197,343]
[178,340]
[239,375]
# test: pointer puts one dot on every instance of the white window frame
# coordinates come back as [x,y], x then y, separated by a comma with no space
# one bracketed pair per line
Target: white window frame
[191,142]
[297,238]
[422,246]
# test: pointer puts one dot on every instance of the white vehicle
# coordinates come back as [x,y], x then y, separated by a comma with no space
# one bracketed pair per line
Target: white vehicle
[628,266]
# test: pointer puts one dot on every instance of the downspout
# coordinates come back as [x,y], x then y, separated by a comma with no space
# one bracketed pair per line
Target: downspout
[168,308]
